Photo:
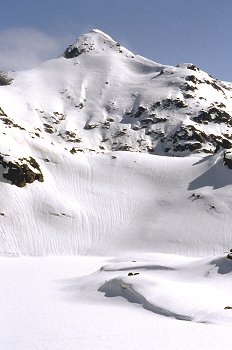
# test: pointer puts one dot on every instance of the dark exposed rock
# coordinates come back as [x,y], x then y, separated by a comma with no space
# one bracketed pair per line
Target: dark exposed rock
[90,126]
[192,67]
[48,128]
[159,120]
[109,119]
[192,78]
[227,159]
[75,150]
[2,113]
[146,121]
[72,52]
[156,105]
[140,111]
[187,137]
[220,105]
[106,125]
[22,171]
[170,104]
[120,133]
[135,127]
[213,114]
[77,49]
[187,146]
[124,148]
[187,95]
[153,119]
[221,142]
[188,87]
[5,79]
[132,274]
[8,121]
[70,136]
[57,117]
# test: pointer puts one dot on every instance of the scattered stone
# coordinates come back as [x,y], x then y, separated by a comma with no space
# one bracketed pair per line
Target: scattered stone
[133,274]
[90,126]
[48,128]
[8,121]
[70,136]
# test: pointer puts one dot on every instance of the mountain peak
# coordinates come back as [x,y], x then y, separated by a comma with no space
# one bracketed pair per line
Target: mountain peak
[93,40]
[100,33]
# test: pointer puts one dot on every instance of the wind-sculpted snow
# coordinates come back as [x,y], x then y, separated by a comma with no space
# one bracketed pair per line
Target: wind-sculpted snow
[118,203]
[167,285]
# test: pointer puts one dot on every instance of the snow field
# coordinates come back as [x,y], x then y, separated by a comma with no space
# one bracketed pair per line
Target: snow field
[64,303]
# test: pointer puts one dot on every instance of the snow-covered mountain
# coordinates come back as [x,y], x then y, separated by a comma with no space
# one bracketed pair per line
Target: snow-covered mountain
[126,162]
[64,189]
[99,96]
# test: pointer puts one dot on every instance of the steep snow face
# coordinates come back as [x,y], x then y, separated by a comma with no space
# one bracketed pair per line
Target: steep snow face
[64,189]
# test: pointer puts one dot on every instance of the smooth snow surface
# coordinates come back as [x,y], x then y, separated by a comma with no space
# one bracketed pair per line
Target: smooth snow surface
[64,303]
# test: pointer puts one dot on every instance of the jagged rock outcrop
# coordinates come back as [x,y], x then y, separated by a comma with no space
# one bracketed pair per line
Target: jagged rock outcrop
[21,171]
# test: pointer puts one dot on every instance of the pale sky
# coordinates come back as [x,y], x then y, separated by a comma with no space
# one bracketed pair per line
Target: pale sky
[166,31]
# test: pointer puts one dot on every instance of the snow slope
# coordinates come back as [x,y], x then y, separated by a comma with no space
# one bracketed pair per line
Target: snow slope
[101,205]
